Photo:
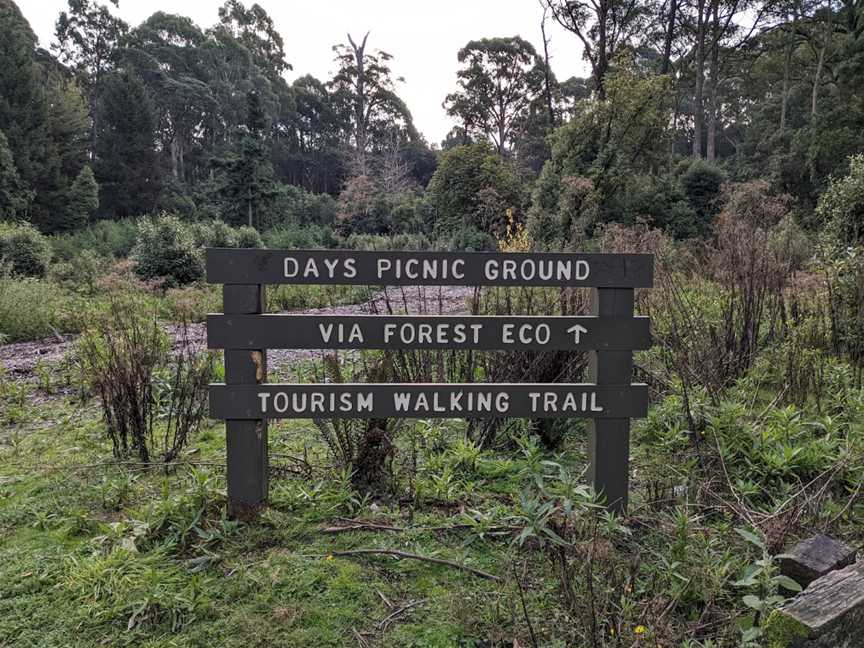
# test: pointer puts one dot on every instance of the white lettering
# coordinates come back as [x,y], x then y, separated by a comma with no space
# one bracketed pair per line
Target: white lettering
[292,272]
[331,266]
[264,396]
[350,268]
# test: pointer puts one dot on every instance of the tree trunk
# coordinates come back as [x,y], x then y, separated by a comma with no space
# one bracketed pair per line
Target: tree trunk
[784,105]
[700,80]
[711,144]
[821,63]
[670,35]
[249,208]
[602,57]
[175,157]
[360,104]
[546,71]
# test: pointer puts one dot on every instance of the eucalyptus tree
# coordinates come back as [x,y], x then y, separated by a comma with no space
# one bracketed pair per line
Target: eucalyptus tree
[364,91]
[603,27]
[499,80]
[165,52]
[89,39]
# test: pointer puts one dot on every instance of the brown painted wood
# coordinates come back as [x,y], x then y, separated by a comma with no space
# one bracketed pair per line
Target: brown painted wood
[425,332]
[609,438]
[367,400]
[348,267]
[246,439]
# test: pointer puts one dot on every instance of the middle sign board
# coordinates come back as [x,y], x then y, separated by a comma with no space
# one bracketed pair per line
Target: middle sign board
[537,333]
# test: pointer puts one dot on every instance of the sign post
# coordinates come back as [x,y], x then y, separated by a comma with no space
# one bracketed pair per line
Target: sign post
[246,442]
[610,333]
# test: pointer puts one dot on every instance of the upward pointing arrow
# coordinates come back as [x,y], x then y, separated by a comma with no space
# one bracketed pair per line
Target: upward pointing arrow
[577,331]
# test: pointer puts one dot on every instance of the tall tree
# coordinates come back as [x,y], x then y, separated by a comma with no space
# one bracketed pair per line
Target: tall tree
[498,81]
[245,185]
[14,195]
[88,39]
[365,89]
[603,27]
[44,118]
[254,28]
[309,133]
[126,161]
[165,52]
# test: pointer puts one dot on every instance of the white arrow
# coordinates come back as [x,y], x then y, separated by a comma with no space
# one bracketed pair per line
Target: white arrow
[577,330]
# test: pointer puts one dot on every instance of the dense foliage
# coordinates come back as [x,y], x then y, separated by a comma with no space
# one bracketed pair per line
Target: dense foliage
[725,138]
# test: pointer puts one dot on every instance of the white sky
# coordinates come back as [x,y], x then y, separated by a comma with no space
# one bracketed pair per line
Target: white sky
[423,37]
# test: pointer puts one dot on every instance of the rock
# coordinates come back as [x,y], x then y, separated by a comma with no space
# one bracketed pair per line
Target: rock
[828,614]
[813,558]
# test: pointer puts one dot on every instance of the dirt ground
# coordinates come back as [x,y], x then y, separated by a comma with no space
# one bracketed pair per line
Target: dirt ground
[21,359]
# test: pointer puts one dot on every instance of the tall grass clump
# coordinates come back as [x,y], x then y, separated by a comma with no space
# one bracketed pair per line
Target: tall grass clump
[33,308]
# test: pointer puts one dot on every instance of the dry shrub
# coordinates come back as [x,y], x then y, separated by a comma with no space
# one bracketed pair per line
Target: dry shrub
[716,303]
[151,401]
[365,446]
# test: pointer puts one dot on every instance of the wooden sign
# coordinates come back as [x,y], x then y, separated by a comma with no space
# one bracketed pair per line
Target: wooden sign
[472,400]
[425,332]
[335,267]
[611,334]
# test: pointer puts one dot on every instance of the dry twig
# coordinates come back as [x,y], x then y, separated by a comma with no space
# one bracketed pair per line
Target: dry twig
[410,556]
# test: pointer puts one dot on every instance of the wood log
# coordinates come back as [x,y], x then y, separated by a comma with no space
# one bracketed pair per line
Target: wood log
[828,614]
[814,557]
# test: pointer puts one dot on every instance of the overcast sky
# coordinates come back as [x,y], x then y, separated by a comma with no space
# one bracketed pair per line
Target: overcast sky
[423,37]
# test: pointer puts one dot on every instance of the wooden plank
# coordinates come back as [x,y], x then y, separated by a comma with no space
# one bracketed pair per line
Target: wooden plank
[814,557]
[493,400]
[425,332]
[348,267]
[246,439]
[828,614]
[609,438]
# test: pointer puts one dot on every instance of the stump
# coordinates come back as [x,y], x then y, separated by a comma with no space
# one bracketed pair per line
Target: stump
[813,558]
[828,614]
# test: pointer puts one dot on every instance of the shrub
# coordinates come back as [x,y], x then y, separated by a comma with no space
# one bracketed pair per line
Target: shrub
[24,249]
[214,234]
[296,205]
[81,273]
[470,182]
[166,249]
[248,237]
[107,238]
[841,207]
[702,182]
[124,359]
[299,237]
[469,239]
[119,354]
[412,242]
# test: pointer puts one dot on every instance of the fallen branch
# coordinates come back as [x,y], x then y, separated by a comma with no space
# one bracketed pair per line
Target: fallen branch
[404,554]
[363,525]
[386,621]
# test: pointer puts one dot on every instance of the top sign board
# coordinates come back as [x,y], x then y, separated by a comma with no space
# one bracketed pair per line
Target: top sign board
[347,267]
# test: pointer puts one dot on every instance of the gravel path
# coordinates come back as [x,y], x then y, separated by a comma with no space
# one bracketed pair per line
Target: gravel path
[21,358]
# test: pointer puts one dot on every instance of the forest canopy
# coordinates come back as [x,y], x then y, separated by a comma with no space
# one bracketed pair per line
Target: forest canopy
[117,120]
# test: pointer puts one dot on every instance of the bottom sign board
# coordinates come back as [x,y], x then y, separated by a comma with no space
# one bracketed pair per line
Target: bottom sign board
[474,400]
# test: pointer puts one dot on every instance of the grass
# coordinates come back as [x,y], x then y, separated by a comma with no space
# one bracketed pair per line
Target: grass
[99,553]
